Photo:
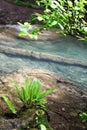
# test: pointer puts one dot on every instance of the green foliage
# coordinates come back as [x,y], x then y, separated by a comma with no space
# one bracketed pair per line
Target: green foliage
[17,1]
[66,15]
[10,105]
[24,3]
[41,119]
[83,116]
[42,127]
[84,31]
[28,30]
[30,94]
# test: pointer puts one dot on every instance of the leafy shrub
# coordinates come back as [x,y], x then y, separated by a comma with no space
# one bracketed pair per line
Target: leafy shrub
[30,94]
[66,15]
[28,30]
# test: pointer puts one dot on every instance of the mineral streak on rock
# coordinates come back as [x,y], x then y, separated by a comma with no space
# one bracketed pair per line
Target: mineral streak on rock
[41,56]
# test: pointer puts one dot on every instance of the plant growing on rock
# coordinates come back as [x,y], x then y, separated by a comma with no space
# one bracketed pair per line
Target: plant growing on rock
[27,29]
[83,116]
[30,94]
[68,16]
[10,105]
[33,99]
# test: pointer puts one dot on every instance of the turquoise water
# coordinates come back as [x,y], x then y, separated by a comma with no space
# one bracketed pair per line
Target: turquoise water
[67,47]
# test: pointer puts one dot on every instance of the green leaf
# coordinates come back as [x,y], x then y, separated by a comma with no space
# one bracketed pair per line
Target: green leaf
[23,33]
[23,94]
[60,25]
[40,18]
[17,89]
[20,24]
[54,6]
[54,23]
[47,11]
[70,3]
[10,105]
[44,93]
[27,88]
[43,127]
[36,87]
[85,29]
[31,92]
[77,8]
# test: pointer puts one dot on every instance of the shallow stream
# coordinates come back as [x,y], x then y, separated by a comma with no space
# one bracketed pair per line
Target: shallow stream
[65,56]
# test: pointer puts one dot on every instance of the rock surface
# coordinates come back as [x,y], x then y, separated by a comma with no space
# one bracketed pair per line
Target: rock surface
[63,104]
[10,34]
[11,13]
